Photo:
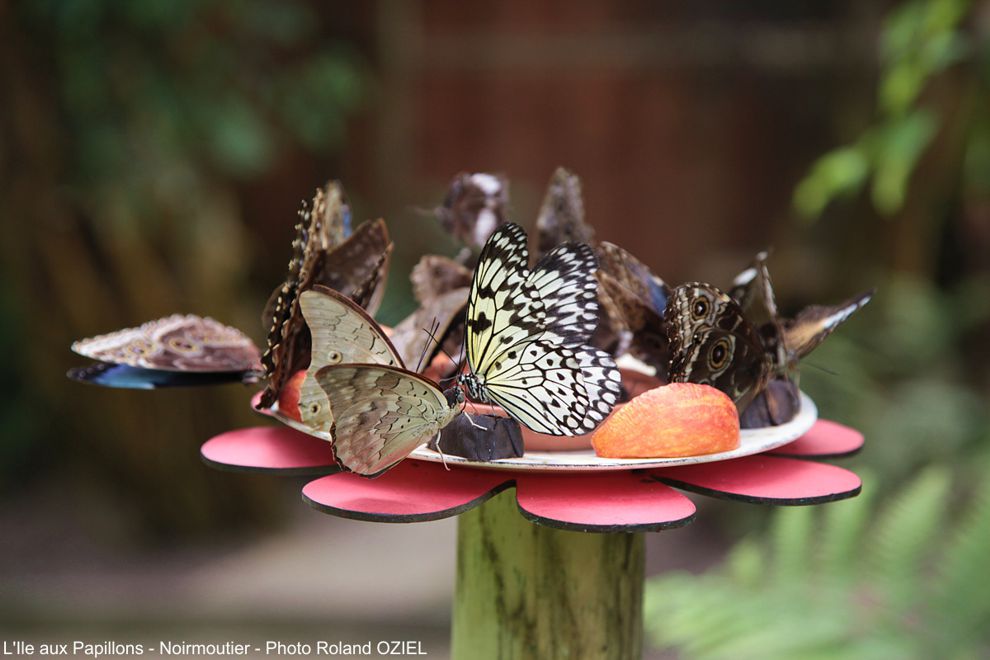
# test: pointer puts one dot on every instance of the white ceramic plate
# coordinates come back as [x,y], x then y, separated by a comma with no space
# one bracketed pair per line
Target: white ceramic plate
[751,441]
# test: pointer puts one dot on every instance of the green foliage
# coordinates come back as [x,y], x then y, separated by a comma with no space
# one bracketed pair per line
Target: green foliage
[921,39]
[898,374]
[848,580]
[202,82]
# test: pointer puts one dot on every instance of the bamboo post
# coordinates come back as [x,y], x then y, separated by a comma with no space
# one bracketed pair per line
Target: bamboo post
[529,591]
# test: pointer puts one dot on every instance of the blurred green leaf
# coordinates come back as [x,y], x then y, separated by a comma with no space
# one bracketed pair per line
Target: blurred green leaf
[838,173]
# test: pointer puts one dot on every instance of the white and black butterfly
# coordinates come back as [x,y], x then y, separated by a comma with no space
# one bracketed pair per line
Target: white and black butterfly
[526,334]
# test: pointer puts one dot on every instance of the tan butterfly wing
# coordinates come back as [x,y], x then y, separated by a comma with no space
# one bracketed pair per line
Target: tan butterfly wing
[341,332]
[357,268]
[382,413]
[179,342]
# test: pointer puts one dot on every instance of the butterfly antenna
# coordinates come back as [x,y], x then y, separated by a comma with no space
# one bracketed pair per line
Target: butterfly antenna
[437,342]
[426,348]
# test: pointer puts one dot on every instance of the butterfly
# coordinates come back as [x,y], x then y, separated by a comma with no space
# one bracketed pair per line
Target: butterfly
[526,332]
[440,286]
[788,340]
[634,300]
[712,343]
[475,206]
[356,266]
[358,391]
[561,217]
[179,350]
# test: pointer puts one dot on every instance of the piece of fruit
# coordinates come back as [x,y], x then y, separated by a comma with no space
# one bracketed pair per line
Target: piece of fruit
[288,398]
[680,419]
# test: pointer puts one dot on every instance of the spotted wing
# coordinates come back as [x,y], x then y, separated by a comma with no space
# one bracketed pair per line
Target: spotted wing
[357,268]
[341,332]
[554,388]
[527,332]
[185,343]
[381,414]
[501,272]
[713,344]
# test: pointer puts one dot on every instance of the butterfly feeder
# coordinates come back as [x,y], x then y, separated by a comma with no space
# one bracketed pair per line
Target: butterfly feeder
[550,556]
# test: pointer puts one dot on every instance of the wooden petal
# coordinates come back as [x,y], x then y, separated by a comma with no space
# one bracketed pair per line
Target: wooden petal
[414,491]
[271,450]
[605,502]
[825,439]
[764,479]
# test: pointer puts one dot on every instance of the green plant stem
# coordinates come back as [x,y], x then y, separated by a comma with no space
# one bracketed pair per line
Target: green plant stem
[529,591]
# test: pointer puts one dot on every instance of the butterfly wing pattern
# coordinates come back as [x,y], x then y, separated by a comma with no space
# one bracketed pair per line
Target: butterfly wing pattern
[382,413]
[341,333]
[181,342]
[713,344]
[526,334]
[356,266]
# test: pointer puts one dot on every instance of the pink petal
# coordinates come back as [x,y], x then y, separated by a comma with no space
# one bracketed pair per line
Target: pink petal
[412,491]
[765,480]
[824,439]
[269,449]
[603,502]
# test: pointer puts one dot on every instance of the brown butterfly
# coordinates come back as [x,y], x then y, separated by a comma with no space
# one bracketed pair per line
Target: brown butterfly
[712,343]
[441,287]
[475,206]
[356,266]
[788,340]
[634,300]
[179,350]
[561,218]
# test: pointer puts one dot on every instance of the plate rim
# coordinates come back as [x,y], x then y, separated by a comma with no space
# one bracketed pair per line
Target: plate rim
[787,432]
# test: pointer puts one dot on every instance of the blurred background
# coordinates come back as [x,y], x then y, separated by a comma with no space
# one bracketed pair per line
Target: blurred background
[152,158]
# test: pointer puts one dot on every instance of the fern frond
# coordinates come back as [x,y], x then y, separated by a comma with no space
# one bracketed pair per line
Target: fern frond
[961,599]
[903,540]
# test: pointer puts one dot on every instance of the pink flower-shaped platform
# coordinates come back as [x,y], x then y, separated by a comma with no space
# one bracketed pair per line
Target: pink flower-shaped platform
[636,500]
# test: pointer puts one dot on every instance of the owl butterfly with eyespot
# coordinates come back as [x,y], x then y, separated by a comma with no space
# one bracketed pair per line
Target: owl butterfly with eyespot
[355,265]
[711,343]
[527,333]
[475,206]
[176,351]
[358,393]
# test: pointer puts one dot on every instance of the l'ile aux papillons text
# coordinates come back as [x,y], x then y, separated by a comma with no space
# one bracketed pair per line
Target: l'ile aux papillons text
[220,649]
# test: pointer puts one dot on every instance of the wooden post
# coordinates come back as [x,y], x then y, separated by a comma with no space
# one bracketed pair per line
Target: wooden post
[528,591]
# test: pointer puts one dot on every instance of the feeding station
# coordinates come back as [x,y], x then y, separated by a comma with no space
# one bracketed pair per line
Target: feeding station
[550,560]
[550,544]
